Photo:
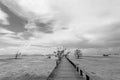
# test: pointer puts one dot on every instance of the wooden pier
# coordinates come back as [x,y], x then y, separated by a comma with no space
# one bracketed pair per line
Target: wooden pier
[65,71]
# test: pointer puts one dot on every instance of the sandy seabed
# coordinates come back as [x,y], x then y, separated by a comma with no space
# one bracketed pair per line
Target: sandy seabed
[108,68]
[25,68]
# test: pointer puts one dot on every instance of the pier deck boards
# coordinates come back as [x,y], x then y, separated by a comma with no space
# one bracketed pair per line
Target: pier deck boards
[65,71]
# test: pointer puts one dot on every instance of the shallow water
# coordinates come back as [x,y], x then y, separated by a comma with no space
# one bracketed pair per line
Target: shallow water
[34,67]
[106,67]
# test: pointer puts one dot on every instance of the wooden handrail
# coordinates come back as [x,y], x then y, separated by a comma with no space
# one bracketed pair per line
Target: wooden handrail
[82,72]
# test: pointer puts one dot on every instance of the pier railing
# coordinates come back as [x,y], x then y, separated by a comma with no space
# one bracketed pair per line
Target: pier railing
[52,73]
[83,72]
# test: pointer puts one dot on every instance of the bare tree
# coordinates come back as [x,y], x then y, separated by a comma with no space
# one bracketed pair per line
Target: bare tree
[78,53]
[59,53]
[17,55]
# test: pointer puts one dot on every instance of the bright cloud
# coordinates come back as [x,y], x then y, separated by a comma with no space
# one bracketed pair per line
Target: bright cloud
[39,7]
[30,50]
[10,37]
[3,30]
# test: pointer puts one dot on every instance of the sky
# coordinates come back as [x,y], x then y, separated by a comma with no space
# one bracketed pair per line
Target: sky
[41,25]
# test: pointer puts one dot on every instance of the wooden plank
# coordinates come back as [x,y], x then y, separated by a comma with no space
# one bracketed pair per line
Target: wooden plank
[65,71]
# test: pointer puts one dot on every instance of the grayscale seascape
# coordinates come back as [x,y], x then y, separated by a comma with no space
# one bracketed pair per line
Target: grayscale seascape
[59,40]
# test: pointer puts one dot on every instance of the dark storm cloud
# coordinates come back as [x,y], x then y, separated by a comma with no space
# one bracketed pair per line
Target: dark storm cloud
[16,23]
[44,27]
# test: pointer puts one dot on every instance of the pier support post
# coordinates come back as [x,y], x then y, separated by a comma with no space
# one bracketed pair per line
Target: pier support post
[81,72]
[87,77]
[77,69]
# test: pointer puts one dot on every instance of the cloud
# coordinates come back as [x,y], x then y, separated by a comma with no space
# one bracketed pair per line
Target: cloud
[10,37]
[3,18]
[39,50]
[39,7]
[3,30]
[29,51]
[80,23]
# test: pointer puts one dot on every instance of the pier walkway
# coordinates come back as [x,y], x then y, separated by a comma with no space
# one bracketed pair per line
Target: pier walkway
[65,71]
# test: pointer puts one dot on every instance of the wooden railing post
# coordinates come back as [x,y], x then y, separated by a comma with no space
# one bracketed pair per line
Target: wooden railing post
[77,69]
[81,72]
[87,77]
